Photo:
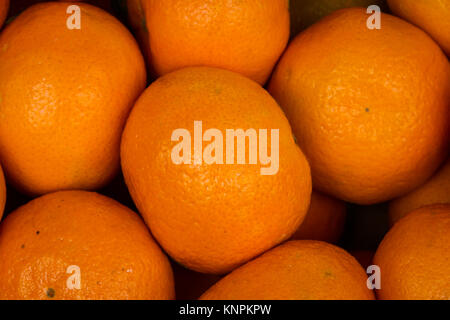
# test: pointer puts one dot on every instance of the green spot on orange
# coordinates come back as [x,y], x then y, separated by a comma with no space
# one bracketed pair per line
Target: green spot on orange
[50,292]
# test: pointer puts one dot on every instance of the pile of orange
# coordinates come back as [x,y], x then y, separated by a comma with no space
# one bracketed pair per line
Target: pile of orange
[202,149]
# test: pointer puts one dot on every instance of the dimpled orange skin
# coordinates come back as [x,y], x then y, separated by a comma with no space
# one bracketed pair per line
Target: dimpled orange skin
[246,36]
[64,97]
[4,5]
[414,256]
[324,221]
[212,218]
[296,270]
[372,126]
[2,193]
[431,16]
[435,191]
[117,257]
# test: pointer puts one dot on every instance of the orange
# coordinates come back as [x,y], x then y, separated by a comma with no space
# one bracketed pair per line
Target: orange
[372,126]
[246,36]
[431,16]
[2,193]
[296,270]
[4,5]
[80,233]
[324,221]
[189,285]
[212,217]
[304,13]
[414,256]
[435,191]
[64,97]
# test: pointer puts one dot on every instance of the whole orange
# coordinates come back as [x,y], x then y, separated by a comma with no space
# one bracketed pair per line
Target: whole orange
[296,270]
[4,5]
[48,243]
[414,256]
[431,16]
[65,95]
[246,36]
[189,285]
[215,209]
[435,191]
[324,221]
[372,115]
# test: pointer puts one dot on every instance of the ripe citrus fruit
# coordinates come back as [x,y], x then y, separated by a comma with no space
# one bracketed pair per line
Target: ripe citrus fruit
[296,270]
[431,16]
[4,5]
[64,97]
[414,256]
[307,12]
[217,212]
[372,126]
[246,36]
[435,191]
[107,243]
[324,221]
[2,193]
